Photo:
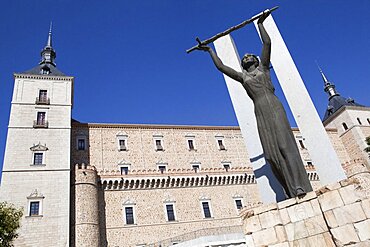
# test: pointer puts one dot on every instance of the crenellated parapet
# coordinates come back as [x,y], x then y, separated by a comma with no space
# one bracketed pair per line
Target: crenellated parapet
[354,167]
[122,183]
[86,206]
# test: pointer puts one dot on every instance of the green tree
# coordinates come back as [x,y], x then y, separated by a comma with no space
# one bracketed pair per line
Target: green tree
[10,218]
[367,149]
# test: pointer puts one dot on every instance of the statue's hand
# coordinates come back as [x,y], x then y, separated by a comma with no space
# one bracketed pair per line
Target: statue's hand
[263,17]
[203,47]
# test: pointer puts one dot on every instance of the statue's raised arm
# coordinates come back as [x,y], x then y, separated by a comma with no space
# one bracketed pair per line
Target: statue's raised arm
[266,48]
[238,76]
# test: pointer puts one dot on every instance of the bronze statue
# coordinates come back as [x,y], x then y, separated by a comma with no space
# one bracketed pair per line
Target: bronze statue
[279,146]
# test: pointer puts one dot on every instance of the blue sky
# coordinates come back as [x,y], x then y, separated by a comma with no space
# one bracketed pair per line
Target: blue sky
[130,66]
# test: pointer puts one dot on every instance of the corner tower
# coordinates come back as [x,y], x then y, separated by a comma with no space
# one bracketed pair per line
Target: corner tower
[352,120]
[36,169]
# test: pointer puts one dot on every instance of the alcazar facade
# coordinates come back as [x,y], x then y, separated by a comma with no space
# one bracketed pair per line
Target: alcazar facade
[91,184]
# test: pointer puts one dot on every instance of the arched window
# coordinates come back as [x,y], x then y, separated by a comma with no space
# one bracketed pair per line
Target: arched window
[359,122]
[345,126]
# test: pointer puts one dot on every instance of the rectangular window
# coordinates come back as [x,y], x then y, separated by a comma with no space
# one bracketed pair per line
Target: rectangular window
[301,144]
[81,144]
[162,169]
[124,170]
[221,145]
[43,96]
[206,210]
[122,145]
[41,117]
[129,211]
[191,144]
[239,204]
[34,208]
[196,167]
[37,158]
[170,212]
[226,166]
[158,145]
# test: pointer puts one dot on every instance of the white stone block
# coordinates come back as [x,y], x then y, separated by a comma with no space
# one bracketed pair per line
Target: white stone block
[350,194]
[300,211]
[330,219]
[285,244]
[349,214]
[296,230]
[345,235]
[319,241]
[316,207]
[270,219]
[366,207]
[249,240]
[287,203]
[330,200]
[284,216]
[265,237]
[252,224]
[281,234]
[363,229]
[315,225]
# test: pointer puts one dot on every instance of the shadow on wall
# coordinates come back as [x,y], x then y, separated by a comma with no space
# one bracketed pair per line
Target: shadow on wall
[80,154]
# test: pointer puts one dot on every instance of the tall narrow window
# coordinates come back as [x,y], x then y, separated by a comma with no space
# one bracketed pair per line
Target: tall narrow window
[122,145]
[226,166]
[37,158]
[43,97]
[162,168]
[345,126]
[238,203]
[368,120]
[359,121]
[206,210]
[301,144]
[34,208]
[124,170]
[170,212]
[221,145]
[81,144]
[195,167]
[129,212]
[191,144]
[41,117]
[158,145]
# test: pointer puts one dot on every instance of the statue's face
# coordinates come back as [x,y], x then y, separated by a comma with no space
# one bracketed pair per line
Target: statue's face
[248,60]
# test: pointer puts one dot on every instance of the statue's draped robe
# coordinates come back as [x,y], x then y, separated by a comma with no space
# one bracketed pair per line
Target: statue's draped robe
[279,146]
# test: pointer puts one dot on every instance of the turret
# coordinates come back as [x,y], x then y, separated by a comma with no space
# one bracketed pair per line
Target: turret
[86,207]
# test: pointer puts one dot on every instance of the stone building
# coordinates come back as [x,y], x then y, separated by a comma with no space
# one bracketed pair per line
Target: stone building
[91,184]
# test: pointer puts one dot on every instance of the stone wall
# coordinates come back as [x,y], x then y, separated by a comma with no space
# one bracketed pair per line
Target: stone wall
[335,215]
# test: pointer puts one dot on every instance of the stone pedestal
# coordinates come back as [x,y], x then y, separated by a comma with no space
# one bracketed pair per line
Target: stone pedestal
[334,215]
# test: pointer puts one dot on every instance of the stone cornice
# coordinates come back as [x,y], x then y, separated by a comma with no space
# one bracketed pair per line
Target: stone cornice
[154,126]
[343,108]
[164,126]
[44,77]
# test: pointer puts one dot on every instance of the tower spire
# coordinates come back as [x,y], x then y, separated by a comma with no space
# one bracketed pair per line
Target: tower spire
[328,86]
[49,43]
[48,54]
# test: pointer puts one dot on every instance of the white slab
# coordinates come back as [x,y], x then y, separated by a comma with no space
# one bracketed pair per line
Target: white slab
[317,141]
[269,188]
